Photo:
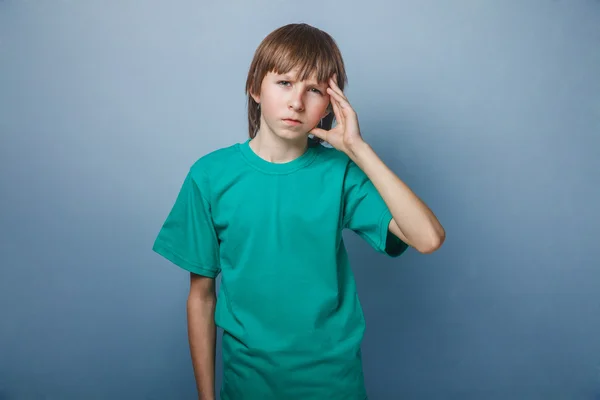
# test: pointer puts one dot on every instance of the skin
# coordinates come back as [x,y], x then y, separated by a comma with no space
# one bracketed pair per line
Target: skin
[278,140]
[202,333]
[283,96]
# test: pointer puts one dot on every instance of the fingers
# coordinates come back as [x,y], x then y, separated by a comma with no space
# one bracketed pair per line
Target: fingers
[339,116]
[340,98]
[334,86]
[342,109]
[335,93]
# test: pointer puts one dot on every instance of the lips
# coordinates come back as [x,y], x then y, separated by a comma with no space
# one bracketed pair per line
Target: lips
[292,122]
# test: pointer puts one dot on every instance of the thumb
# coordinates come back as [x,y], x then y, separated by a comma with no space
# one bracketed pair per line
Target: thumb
[320,133]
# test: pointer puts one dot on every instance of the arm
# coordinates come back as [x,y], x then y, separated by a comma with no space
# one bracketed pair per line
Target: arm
[202,333]
[413,222]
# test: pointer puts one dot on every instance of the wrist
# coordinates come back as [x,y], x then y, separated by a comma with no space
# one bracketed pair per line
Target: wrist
[358,150]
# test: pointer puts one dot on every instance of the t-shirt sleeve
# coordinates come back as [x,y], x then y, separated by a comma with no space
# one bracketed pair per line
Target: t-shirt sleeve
[366,213]
[188,238]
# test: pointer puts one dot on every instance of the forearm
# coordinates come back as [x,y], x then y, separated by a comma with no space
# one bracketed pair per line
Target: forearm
[202,338]
[417,223]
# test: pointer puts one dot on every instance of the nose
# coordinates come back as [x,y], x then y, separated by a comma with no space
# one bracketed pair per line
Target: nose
[295,101]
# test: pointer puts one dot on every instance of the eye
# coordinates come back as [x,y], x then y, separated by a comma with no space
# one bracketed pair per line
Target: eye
[315,90]
[283,83]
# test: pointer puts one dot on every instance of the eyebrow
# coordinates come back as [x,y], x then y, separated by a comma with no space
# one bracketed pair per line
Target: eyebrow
[290,78]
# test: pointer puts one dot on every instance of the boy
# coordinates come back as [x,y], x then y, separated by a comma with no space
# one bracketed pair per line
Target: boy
[268,215]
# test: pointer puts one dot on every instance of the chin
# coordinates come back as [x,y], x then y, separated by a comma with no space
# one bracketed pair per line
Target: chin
[291,134]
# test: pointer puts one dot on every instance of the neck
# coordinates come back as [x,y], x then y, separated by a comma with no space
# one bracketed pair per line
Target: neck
[272,148]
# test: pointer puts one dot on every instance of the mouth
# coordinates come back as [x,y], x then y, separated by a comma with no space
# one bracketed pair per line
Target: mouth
[291,121]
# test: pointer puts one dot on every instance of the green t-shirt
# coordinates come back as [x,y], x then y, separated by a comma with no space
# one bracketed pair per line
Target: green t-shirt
[287,302]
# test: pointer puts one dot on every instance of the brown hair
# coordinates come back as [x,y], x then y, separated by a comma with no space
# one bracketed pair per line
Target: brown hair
[301,46]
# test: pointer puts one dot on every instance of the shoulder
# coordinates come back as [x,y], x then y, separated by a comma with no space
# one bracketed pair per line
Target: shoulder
[210,170]
[343,166]
[338,163]
[333,157]
[215,158]
[215,162]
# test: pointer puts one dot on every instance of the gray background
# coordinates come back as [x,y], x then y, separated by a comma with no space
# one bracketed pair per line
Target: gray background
[489,110]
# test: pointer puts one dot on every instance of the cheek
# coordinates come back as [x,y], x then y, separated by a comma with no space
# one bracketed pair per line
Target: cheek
[268,99]
[266,104]
[268,109]
[319,109]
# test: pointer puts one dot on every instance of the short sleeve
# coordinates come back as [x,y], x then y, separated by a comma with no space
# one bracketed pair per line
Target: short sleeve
[366,213]
[187,237]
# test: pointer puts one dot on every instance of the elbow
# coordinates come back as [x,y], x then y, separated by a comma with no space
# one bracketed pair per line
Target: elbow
[434,242]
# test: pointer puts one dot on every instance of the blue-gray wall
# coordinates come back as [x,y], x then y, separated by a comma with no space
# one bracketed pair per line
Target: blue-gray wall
[489,110]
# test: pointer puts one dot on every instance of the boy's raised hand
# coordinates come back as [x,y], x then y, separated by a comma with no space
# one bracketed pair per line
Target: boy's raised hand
[346,133]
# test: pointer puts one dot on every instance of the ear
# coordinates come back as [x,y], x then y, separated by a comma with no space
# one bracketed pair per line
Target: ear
[255,97]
